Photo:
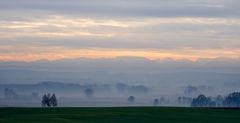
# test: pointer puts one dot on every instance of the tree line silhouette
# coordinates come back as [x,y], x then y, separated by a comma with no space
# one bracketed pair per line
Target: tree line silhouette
[231,100]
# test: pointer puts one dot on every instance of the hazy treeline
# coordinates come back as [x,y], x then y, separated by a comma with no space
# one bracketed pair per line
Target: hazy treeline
[70,89]
[119,94]
[165,82]
[69,92]
[231,100]
[165,74]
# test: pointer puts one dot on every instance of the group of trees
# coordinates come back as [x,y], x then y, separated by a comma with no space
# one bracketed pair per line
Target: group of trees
[10,94]
[121,87]
[203,101]
[231,100]
[49,100]
[157,101]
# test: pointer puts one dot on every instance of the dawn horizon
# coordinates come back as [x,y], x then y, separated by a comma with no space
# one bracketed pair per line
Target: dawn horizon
[120,61]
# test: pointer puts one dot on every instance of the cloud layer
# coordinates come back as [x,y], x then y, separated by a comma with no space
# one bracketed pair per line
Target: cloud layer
[58,29]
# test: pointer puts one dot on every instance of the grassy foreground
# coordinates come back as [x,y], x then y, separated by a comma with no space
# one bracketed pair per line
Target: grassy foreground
[119,115]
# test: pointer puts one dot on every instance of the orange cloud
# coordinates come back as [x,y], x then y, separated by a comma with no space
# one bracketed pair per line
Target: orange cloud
[11,53]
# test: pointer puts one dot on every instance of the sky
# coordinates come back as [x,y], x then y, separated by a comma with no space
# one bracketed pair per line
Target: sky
[32,30]
[162,44]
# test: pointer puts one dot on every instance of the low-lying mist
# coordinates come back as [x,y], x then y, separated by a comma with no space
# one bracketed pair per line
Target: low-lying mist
[111,82]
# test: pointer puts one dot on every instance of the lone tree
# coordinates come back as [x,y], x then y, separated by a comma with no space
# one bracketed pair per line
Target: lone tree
[45,101]
[89,92]
[131,99]
[48,100]
[155,102]
[53,100]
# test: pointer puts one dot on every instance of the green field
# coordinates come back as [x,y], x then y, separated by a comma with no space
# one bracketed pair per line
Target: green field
[119,115]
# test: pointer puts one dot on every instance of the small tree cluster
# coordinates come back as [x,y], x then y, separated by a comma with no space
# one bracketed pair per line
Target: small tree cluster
[49,100]
[203,101]
[231,100]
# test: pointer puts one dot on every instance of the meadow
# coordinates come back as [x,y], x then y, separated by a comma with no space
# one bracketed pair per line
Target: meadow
[119,115]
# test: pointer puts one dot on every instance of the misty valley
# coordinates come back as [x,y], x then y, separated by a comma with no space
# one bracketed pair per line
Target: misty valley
[119,61]
[109,95]
[122,81]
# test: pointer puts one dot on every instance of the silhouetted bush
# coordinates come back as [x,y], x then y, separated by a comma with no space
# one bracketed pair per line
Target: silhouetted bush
[89,92]
[131,99]
[156,102]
